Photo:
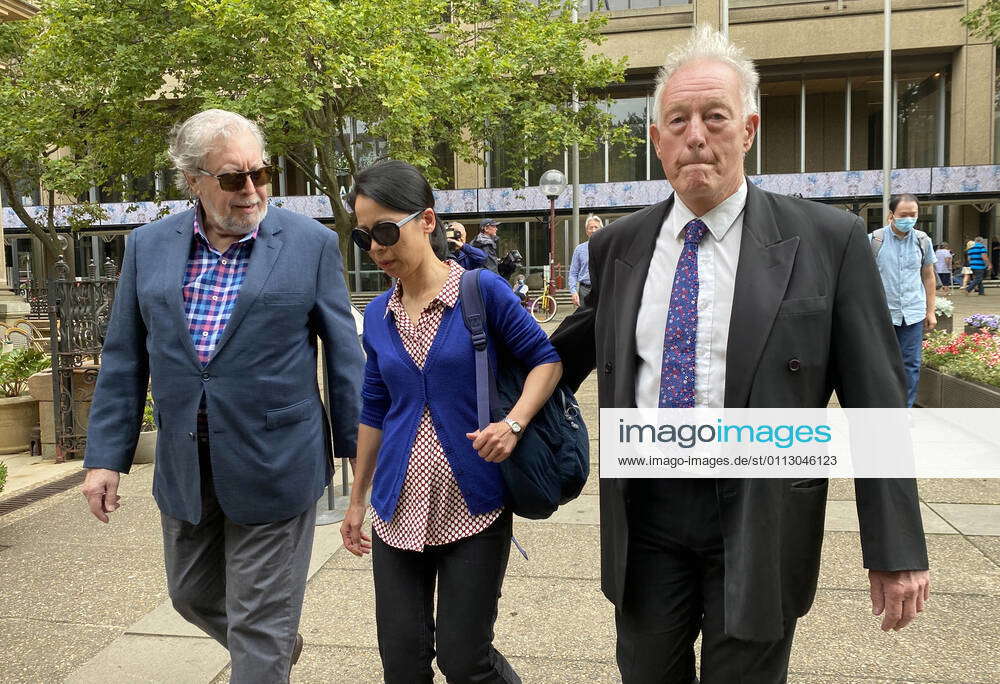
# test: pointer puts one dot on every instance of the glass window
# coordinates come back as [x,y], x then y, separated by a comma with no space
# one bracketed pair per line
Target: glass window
[444,160]
[632,113]
[917,101]
[538,237]
[780,117]
[996,114]
[503,166]
[866,123]
[537,167]
[825,124]
[592,165]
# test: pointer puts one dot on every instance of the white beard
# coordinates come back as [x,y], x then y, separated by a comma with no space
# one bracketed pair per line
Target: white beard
[238,226]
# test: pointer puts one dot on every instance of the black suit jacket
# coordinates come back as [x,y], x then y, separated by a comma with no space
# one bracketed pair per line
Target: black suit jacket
[806,289]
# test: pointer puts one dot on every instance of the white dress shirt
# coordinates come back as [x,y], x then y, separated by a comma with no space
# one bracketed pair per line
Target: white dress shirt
[718,256]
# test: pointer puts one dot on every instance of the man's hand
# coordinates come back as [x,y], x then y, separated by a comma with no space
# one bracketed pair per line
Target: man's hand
[930,321]
[100,487]
[576,299]
[900,595]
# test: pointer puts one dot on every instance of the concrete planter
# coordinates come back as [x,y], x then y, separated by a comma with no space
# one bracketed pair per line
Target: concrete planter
[145,450]
[929,389]
[959,393]
[18,416]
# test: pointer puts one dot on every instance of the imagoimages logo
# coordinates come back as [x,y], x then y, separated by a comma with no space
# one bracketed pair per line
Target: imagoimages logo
[689,435]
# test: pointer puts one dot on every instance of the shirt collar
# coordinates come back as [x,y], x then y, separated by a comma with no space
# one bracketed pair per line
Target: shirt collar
[446,297]
[718,220]
[200,233]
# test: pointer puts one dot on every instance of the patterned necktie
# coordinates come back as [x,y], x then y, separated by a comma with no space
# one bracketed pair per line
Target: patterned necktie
[681,334]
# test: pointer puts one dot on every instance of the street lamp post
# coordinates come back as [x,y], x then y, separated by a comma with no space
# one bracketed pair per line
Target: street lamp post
[553,183]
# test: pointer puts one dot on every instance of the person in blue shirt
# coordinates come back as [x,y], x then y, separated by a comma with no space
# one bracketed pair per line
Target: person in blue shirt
[467,256]
[438,514]
[905,259]
[980,264]
[579,275]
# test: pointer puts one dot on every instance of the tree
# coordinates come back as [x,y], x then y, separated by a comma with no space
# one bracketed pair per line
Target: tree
[63,131]
[984,21]
[417,75]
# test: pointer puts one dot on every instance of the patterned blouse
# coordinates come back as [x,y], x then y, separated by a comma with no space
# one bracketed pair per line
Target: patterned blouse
[431,510]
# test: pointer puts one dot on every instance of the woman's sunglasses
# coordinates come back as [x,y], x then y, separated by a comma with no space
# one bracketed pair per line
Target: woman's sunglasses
[386,233]
[237,180]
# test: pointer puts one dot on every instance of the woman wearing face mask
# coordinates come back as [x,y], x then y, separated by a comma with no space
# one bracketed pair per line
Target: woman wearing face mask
[437,493]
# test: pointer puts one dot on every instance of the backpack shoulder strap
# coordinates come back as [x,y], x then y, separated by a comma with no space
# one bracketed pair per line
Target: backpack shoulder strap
[876,239]
[474,315]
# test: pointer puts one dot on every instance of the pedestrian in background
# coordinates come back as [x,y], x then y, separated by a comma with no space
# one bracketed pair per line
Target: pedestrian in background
[489,242]
[579,275]
[467,256]
[979,262]
[906,264]
[943,266]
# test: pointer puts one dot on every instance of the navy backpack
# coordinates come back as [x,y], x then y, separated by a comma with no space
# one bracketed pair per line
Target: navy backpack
[551,461]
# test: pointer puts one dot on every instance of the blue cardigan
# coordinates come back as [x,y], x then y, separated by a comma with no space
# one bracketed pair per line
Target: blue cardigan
[395,392]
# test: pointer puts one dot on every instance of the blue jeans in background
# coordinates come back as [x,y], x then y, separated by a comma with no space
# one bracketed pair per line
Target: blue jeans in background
[976,283]
[911,338]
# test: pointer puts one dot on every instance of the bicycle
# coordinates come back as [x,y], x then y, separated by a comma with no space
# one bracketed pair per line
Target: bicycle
[543,308]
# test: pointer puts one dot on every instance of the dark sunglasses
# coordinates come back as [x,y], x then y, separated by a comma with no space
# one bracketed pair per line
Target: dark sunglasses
[237,180]
[386,233]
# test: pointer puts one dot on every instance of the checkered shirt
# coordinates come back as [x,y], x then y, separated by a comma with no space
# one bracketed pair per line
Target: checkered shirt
[431,509]
[212,282]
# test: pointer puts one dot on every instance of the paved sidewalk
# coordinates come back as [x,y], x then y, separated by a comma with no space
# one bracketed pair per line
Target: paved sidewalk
[85,602]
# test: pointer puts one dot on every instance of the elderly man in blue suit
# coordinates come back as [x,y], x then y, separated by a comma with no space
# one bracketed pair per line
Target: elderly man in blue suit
[221,307]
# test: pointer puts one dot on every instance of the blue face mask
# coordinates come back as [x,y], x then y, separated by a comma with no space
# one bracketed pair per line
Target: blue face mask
[904,225]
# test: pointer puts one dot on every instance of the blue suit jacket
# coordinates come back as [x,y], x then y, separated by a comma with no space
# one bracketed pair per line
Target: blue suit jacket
[269,435]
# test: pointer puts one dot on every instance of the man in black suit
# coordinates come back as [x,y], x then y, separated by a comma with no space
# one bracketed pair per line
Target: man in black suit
[766,301]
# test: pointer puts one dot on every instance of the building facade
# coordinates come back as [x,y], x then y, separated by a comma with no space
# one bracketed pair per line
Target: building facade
[821,109]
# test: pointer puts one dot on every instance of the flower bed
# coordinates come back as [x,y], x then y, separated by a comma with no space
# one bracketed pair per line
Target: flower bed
[988,323]
[973,357]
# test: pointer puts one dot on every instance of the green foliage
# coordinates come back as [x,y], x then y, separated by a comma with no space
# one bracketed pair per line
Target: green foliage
[984,21]
[148,421]
[3,475]
[16,367]
[107,79]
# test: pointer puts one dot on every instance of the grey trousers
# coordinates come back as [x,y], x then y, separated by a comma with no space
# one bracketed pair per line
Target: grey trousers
[241,584]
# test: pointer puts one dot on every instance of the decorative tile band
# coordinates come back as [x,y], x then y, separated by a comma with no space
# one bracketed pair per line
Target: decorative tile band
[863,186]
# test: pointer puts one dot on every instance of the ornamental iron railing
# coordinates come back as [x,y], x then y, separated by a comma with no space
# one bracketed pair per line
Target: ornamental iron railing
[79,310]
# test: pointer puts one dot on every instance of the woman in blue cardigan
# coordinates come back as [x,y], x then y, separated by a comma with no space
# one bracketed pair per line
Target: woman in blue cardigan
[437,502]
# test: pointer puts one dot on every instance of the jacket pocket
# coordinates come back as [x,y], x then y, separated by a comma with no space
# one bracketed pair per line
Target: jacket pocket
[802,306]
[297,412]
[283,298]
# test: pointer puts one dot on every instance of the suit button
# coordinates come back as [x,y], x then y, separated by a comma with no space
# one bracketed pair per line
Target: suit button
[191,435]
[794,365]
[607,368]
[205,376]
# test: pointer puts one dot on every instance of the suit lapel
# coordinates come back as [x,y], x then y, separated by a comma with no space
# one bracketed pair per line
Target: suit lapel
[762,273]
[630,279]
[175,262]
[265,252]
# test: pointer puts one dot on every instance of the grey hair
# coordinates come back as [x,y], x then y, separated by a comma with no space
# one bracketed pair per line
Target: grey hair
[595,218]
[197,136]
[708,44]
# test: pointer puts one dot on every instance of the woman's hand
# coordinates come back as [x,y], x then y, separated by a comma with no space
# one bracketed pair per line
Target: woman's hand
[495,443]
[355,540]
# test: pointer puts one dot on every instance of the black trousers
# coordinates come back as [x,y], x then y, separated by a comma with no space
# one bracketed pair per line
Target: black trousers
[469,575]
[675,589]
